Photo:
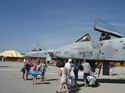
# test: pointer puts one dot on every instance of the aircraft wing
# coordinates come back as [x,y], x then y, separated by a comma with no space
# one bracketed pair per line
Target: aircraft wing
[105,27]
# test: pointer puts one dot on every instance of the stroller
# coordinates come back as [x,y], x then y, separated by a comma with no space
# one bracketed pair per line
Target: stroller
[91,81]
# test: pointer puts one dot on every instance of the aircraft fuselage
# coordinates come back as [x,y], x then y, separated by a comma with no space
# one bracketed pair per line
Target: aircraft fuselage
[111,50]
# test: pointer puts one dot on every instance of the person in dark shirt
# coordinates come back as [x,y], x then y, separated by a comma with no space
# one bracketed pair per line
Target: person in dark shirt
[28,64]
[76,67]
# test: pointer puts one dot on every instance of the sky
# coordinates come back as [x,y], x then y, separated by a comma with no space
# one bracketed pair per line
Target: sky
[54,23]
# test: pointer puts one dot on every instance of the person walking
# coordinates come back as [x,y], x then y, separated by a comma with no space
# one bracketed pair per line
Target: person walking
[76,66]
[35,72]
[43,68]
[26,68]
[68,66]
[63,78]
[86,70]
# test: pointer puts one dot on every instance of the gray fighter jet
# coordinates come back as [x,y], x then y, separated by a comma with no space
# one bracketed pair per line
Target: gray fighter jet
[109,47]
[39,53]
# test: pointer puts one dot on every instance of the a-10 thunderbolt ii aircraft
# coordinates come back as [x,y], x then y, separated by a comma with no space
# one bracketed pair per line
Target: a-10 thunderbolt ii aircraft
[106,49]
[40,53]
[109,48]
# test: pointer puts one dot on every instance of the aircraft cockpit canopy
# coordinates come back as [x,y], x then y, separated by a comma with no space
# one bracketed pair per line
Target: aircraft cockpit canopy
[107,30]
[84,38]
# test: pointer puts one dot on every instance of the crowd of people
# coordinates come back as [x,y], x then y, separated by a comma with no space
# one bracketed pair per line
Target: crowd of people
[37,68]
[67,80]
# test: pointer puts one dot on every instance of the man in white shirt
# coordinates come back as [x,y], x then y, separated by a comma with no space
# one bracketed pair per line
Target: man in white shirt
[68,66]
[86,70]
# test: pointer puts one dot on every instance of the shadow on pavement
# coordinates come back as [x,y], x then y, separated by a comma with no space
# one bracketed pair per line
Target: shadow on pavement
[45,79]
[76,89]
[50,79]
[120,81]
[4,66]
[43,83]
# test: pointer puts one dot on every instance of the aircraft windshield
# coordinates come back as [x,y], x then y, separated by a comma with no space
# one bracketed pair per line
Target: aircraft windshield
[86,37]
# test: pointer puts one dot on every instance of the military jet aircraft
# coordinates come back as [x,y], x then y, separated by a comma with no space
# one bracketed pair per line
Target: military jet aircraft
[109,48]
[39,53]
[106,49]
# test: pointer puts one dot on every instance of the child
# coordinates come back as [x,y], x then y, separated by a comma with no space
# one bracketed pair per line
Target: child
[43,68]
[35,72]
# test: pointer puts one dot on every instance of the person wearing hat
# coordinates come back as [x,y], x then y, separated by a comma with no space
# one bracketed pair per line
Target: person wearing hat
[68,66]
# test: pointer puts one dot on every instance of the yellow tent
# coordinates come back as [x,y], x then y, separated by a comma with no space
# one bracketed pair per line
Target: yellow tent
[11,53]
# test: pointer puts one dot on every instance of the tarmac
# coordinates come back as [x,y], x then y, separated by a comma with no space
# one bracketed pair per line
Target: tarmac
[11,81]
